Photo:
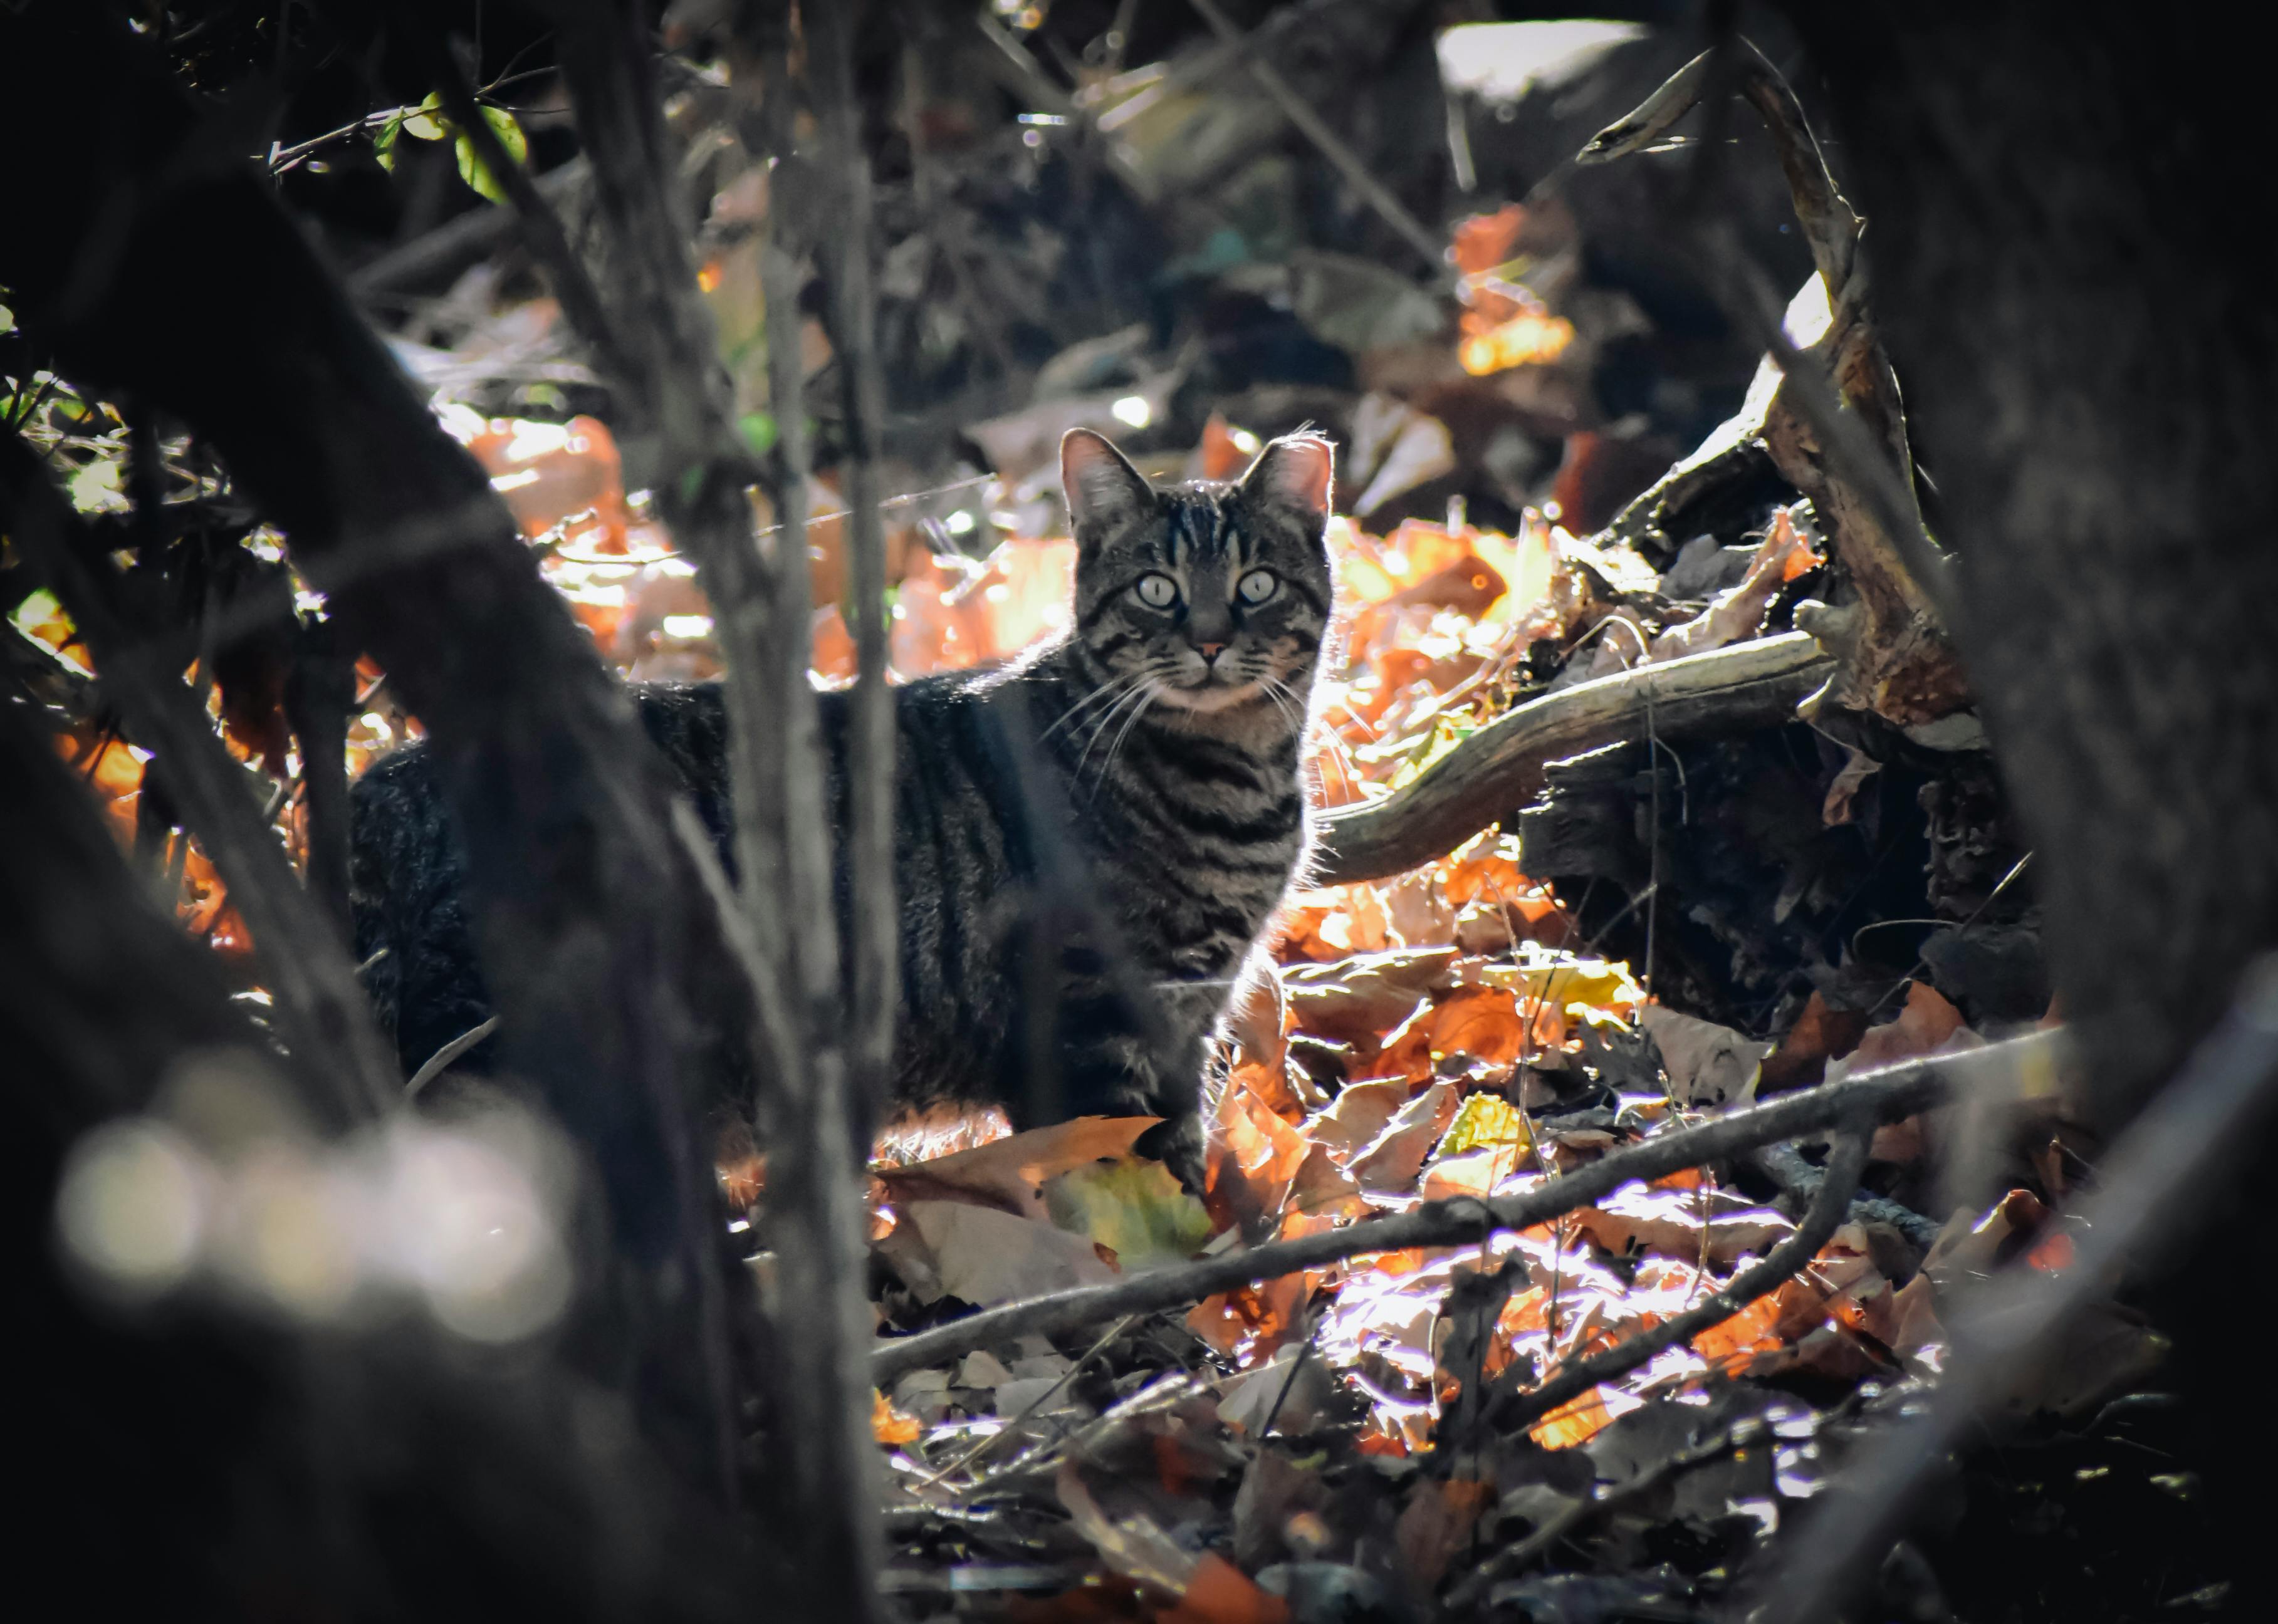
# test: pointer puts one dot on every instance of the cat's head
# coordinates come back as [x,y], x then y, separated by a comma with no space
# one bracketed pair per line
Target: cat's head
[1217,595]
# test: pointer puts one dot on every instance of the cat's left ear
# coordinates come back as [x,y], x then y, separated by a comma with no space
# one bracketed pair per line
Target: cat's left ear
[1104,490]
[1297,474]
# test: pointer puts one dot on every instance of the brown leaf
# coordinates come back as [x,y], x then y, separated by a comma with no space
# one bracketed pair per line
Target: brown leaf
[1396,1156]
[1436,1523]
[1006,1173]
[1820,1034]
[1926,1023]
[1363,995]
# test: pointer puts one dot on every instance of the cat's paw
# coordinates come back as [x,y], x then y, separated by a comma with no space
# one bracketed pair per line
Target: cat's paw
[1177,1143]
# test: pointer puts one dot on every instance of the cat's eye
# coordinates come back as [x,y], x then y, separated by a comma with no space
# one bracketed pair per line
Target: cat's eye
[1158,591]
[1259,585]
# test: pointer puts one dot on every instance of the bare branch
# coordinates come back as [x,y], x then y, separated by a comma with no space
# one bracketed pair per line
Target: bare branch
[1488,775]
[869,837]
[1884,1094]
[776,776]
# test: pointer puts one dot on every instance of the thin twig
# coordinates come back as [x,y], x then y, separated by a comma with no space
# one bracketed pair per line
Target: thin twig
[982,1445]
[444,1058]
[2153,1190]
[1884,1094]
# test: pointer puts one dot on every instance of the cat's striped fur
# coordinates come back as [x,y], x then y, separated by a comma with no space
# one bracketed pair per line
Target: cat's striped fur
[1088,842]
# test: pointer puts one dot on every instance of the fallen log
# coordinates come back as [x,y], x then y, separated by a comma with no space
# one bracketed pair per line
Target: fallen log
[1500,767]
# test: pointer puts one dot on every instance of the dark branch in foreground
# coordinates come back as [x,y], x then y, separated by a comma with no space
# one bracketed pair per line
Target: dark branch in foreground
[1499,769]
[1879,1095]
[325,1018]
[2189,1139]
[597,944]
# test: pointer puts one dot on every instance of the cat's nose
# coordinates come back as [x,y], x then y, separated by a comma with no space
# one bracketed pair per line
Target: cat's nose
[1211,650]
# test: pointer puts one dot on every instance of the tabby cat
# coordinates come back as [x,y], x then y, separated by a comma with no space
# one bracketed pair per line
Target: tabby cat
[1089,841]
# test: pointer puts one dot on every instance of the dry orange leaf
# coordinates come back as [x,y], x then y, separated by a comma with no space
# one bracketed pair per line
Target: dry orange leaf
[1927,1021]
[889,1425]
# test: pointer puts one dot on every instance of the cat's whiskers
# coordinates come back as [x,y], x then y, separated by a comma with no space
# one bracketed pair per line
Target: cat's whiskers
[1142,687]
[1111,688]
[1153,691]
[1275,690]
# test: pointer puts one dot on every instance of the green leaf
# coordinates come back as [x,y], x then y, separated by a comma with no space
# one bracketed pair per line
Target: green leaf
[471,168]
[383,145]
[508,133]
[425,121]
[759,429]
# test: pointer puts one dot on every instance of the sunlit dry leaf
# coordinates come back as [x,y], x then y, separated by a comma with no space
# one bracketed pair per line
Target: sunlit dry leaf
[1254,1157]
[1357,1116]
[1246,1325]
[1580,1419]
[1008,1173]
[1396,1156]
[889,1425]
[1670,1223]
[1364,994]
[1483,1022]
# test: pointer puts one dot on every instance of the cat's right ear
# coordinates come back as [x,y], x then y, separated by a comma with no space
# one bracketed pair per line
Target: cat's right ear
[1104,490]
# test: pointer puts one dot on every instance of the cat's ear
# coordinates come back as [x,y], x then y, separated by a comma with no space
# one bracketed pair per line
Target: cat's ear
[1104,490]
[1295,474]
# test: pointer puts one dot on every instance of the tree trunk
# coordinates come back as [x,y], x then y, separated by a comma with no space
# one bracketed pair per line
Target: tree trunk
[2078,301]
[2073,261]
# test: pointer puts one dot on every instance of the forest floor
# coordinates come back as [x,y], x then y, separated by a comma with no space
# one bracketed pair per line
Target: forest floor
[1657,933]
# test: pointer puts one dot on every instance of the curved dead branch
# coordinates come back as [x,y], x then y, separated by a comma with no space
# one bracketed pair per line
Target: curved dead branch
[1840,439]
[1500,767]
[1829,1209]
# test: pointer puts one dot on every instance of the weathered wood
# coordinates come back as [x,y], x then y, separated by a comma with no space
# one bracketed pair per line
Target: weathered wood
[1499,769]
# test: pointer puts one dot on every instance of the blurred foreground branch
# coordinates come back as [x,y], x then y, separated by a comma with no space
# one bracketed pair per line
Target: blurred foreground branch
[302,954]
[596,942]
[2191,1138]
[785,934]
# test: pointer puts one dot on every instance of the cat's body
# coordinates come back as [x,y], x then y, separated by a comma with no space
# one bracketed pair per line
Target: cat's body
[1088,843]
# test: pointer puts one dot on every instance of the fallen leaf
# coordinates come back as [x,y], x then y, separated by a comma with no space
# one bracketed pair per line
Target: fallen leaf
[987,1256]
[1009,1173]
[889,1425]
[1707,1063]
[1820,1034]
[1396,1156]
